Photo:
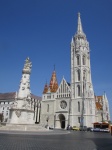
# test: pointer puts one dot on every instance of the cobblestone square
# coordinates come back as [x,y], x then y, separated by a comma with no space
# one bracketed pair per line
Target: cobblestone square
[55,140]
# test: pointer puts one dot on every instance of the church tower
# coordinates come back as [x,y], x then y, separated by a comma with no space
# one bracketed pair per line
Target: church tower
[82,110]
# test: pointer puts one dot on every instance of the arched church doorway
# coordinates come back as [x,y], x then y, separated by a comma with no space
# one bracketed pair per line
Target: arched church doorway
[62,121]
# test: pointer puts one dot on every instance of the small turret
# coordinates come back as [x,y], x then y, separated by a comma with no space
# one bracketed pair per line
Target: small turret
[45,88]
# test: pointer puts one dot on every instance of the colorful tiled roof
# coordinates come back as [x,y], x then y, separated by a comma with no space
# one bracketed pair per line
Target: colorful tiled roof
[98,106]
[98,102]
[99,97]
[53,86]
[53,82]
[45,88]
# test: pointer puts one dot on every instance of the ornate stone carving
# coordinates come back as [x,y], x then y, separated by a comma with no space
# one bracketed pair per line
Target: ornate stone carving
[18,112]
[26,104]
[27,66]
[14,105]
[63,104]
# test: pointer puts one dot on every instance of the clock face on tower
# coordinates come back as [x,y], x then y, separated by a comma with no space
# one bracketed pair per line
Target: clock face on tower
[63,104]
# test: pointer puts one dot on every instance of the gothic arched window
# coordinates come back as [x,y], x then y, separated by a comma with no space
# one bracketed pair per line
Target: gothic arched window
[78,60]
[78,75]
[84,60]
[78,106]
[84,74]
[78,90]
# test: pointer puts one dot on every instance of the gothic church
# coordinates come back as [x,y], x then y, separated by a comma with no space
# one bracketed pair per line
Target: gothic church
[73,104]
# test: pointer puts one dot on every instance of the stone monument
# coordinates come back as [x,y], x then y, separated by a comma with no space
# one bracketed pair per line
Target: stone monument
[22,110]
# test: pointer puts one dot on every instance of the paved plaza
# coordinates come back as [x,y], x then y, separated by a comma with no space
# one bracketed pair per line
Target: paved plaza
[55,140]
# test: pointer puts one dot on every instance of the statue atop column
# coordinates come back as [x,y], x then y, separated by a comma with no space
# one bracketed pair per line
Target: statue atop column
[27,66]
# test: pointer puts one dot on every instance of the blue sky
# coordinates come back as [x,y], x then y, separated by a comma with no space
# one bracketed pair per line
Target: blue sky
[42,30]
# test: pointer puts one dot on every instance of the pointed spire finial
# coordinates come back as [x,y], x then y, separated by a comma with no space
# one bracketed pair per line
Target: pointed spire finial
[78,14]
[79,28]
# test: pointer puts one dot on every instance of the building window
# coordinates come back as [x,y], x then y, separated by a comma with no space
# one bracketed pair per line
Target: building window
[78,119]
[47,107]
[7,108]
[78,106]
[3,108]
[78,75]
[78,60]
[84,74]
[78,90]
[6,113]
[84,60]
[48,96]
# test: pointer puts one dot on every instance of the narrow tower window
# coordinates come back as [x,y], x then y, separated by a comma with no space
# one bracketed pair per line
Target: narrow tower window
[79,119]
[84,74]
[78,59]
[84,60]
[78,90]
[78,106]
[78,75]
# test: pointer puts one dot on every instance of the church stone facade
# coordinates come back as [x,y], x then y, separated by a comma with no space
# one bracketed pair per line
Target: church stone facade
[72,104]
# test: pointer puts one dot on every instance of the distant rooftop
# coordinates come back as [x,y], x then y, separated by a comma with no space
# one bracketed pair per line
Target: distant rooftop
[8,96]
[12,95]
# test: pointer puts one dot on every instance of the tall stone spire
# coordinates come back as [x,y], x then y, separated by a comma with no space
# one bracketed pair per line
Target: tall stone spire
[24,88]
[82,93]
[79,27]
